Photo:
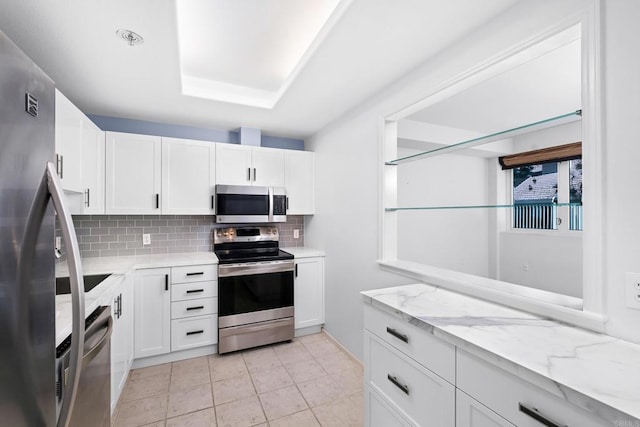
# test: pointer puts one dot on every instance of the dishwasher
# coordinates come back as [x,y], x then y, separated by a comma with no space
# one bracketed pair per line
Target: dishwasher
[93,401]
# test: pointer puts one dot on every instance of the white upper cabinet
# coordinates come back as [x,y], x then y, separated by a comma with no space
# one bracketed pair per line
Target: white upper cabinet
[299,181]
[267,166]
[233,164]
[79,158]
[245,165]
[188,176]
[133,173]
[92,168]
[68,143]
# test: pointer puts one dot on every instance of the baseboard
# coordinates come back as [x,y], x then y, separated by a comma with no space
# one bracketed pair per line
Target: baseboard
[336,342]
[308,330]
[175,356]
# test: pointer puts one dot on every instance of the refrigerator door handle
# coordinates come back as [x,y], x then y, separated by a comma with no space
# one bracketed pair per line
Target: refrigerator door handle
[51,188]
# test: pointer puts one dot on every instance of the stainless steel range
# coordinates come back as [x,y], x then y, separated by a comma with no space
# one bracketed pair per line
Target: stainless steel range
[255,288]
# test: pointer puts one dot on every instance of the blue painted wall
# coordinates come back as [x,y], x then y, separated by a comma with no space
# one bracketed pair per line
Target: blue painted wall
[117,124]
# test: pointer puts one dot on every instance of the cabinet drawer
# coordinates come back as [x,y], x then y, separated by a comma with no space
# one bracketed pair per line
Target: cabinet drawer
[381,414]
[194,273]
[195,307]
[504,393]
[194,332]
[471,413]
[416,392]
[196,290]
[431,352]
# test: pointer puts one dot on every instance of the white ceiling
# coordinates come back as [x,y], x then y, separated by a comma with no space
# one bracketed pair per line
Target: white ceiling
[365,46]
[543,87]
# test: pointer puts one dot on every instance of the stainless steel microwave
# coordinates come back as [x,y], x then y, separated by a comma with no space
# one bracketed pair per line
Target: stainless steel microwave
[243,203]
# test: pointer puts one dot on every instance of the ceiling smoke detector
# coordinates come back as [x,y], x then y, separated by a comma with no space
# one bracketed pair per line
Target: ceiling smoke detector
[130,37]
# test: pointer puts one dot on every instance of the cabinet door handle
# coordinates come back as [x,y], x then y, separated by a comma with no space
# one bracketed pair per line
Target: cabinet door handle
[536,415]
[199,273]
[166,282]
[195,332]
[61,167]
[296,270]
[212,201]
[157,201]
[248,174]
[397,334]
[120,306]
[395,382]
[88,203]
[254,174]
[193,291]
[199,307]
[286,199]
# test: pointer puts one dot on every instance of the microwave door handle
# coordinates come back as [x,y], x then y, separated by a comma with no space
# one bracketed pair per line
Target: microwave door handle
[51,188]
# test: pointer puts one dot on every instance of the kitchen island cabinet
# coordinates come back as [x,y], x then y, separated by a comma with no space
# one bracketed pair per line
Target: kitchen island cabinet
[511,367]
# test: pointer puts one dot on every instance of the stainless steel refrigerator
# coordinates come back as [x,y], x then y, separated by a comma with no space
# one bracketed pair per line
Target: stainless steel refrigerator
[30,196]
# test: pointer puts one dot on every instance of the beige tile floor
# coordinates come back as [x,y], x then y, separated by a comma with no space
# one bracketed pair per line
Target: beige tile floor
[307,382]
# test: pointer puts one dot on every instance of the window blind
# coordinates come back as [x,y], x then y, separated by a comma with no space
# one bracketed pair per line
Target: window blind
[558,153]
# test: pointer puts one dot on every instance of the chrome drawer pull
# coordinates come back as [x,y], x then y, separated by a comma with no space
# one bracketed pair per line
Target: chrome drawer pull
[200,273]
[200,307]
[536,415]
[395,382]
[193,291]
[398,335]
[195,332]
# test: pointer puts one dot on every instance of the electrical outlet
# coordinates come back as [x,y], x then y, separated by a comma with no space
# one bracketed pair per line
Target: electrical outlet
[146,239]
[632,290]
[296,234]
[58,242]
[525,267]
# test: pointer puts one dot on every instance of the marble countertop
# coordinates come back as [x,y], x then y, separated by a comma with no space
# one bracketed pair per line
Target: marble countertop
[596,372]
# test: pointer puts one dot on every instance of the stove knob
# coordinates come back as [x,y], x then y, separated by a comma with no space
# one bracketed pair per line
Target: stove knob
[219,233]
[274,231]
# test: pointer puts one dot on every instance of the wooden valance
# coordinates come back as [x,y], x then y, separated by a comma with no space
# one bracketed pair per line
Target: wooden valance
[545,155]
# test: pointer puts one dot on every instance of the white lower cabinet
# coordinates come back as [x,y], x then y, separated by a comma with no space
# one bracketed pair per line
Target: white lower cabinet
[516,400]
[471,413]
[405,371]
[308,292]
[152,312]
[121,337]
[194,306]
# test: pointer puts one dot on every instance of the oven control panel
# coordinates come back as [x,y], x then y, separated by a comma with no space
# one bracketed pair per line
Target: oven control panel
[245,234]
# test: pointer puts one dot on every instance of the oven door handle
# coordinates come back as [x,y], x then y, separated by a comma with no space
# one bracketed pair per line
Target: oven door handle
[250,269]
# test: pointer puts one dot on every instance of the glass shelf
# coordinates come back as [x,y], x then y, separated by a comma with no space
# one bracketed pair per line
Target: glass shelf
[427,208]
[558,120]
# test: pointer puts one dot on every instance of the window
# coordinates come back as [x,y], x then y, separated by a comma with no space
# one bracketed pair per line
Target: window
[544,195]
[535,194]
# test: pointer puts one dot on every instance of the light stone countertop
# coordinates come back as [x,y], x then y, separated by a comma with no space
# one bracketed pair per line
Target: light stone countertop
[595,372]
[303,252]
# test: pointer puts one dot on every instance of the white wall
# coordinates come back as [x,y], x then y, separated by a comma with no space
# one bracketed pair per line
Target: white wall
[457,239]
[348,164]
[553,263]
[621,154]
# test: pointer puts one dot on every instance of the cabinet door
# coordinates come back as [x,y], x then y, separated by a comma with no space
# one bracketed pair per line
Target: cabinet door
[133,180]
[267,167]
[92,167]
[299,181]
[121,337]
[309,292]
[233,164]
[380,414]
[68,142]
[118,377]
[188,177]
[152,301]
[471,413]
